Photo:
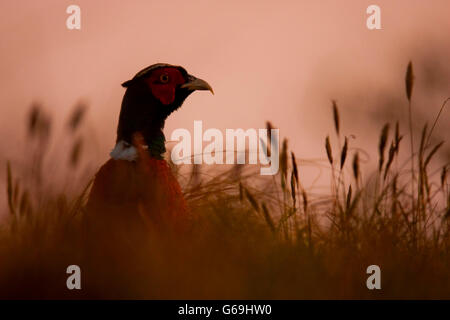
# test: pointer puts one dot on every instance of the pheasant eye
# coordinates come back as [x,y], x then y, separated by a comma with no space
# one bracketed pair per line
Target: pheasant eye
[164,78]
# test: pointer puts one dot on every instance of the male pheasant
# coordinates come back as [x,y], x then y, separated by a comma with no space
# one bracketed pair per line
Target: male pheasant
[135,189]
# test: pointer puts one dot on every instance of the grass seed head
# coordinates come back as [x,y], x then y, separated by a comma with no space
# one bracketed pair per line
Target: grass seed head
[390,159]
[398,138]
[328,148]
[77,117]
[344,153]
[293,193]
[356,166]
[409,81]
[294,167]
[382,144]
[336,116]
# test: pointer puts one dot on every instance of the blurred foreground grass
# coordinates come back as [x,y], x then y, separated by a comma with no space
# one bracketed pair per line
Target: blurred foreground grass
[251,238]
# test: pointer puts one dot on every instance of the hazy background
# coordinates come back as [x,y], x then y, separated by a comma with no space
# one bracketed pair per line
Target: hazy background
[281,61]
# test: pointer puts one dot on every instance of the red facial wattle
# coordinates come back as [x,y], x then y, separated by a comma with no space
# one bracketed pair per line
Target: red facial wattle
[163,83]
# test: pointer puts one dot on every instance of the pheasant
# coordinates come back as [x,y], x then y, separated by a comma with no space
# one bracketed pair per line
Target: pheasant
[135,189]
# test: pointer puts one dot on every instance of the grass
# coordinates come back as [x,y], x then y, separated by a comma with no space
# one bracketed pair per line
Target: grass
[251,237]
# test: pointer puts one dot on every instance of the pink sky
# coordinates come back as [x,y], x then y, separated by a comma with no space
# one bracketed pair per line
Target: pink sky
[266,60]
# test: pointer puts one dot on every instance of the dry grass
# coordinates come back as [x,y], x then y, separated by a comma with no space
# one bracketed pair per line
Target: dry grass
[251,237]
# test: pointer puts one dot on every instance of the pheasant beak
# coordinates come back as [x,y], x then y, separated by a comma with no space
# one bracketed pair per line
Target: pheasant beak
[196,84]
